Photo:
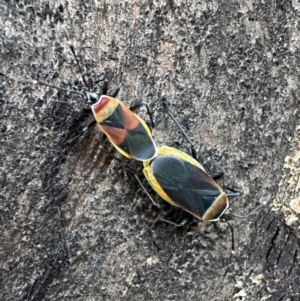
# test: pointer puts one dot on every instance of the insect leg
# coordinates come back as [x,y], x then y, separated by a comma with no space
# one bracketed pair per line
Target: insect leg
[143,187]
[117,90]
[112,156]
[148,111]
[218,228]
[105,87]
[193,150]
[183,222]
[219,175]
[232,235]
[89,126]
[128,169]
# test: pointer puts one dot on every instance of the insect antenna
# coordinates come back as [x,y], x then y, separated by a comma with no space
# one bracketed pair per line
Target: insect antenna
[38,82]
[250,213]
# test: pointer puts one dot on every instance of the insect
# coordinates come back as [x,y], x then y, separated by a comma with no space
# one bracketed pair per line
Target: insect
[128,133]
[174,175]
[182,181]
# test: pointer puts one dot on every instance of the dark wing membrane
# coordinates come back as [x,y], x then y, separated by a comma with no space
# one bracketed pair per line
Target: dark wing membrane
[189,187]
[115,120]
[137,142]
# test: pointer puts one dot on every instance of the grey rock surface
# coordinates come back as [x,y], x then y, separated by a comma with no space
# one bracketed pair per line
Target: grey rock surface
[72,226]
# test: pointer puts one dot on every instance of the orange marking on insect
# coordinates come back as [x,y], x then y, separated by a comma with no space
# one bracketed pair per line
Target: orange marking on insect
[115,135]
[130,119]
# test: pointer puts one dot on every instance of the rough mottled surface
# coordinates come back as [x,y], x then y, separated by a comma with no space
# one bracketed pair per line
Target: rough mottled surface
[72,226]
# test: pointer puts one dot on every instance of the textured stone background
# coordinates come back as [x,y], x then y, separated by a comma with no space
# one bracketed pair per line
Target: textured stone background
[72,227]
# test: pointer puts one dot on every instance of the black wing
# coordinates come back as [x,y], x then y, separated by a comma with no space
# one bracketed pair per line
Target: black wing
[136,142]
[189,187]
